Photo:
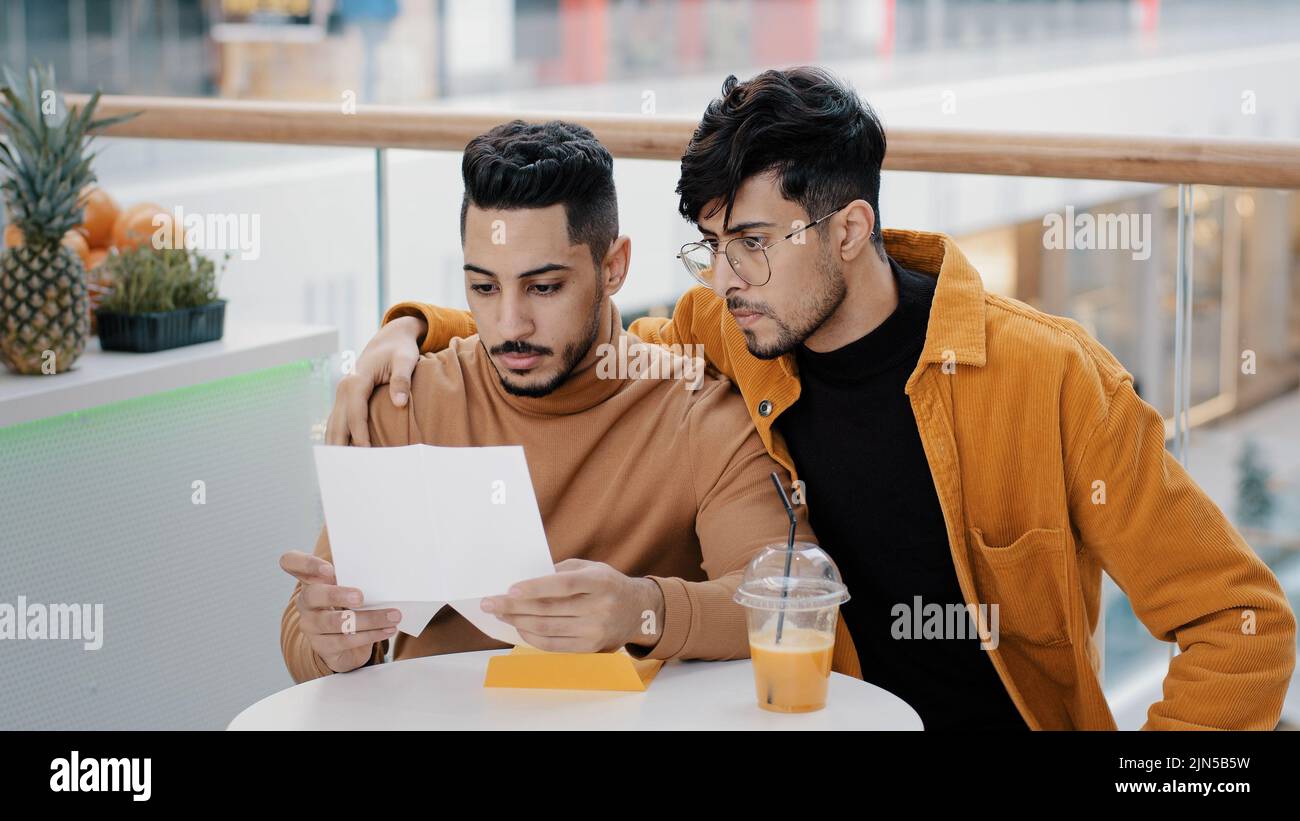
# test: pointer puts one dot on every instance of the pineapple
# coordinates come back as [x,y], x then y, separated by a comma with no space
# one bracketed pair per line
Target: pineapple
[43,310]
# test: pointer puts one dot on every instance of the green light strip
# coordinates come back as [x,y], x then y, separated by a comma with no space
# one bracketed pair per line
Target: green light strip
[36,427]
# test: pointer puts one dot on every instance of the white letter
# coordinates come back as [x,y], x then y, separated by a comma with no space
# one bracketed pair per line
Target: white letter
[59,781]
[143,787]
[1053,236]
[1099,492]
[94,628]
[606,361]
[1143,240]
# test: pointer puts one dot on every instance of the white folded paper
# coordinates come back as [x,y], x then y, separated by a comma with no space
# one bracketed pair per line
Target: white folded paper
[420,527]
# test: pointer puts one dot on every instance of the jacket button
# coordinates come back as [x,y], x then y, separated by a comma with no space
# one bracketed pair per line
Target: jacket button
[765,408]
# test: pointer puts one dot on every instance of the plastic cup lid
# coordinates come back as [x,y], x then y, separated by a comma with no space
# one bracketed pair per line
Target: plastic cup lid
[804,578]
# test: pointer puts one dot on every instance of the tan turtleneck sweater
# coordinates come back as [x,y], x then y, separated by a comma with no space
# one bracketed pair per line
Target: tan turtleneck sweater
[646,475]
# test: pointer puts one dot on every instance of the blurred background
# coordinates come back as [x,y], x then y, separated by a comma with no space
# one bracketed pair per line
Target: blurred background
[1117,67]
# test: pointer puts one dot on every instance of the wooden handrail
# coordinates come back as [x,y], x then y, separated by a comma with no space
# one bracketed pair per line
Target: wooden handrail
[1168,160]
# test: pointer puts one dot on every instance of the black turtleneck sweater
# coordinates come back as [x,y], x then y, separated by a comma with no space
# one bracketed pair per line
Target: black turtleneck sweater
[872,502]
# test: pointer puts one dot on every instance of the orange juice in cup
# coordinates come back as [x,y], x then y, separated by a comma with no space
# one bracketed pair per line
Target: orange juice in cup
[792,599]
[791,677]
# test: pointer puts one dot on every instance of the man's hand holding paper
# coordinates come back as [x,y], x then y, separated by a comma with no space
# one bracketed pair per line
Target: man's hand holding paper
[584,607]
[344,639]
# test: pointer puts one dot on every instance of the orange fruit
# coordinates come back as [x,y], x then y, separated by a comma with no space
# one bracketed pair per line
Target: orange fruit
[13,236]
[75,240]
[134,226]
[101,214]
[96,258]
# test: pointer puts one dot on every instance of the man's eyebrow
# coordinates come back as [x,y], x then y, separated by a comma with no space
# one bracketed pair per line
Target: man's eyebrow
[745,226]
[545,269]
[739,229]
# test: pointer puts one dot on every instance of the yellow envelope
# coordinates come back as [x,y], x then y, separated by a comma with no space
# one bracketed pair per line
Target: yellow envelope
[529,667]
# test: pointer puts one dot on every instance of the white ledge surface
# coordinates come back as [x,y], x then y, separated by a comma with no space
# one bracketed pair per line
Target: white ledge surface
[101,377]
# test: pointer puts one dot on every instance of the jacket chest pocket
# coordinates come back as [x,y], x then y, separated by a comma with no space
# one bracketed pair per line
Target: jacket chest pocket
[1029,582]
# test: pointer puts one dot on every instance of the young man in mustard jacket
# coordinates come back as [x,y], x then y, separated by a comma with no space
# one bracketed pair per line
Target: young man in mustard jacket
[955,446]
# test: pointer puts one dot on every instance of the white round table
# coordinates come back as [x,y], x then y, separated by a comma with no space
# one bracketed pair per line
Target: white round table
[446,692]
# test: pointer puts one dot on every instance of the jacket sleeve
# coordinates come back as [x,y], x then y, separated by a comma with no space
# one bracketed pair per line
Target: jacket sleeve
[444,324]
[389,426]
[738,513]
[689,326]
[692,324]
[1189,575]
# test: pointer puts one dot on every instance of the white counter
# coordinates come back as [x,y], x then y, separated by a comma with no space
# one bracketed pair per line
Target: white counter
[100,377]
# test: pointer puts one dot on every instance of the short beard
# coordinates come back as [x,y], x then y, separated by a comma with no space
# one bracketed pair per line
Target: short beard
[813,310]
[573,354]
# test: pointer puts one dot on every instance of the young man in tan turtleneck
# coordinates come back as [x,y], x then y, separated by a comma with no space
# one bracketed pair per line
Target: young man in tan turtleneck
[543,258]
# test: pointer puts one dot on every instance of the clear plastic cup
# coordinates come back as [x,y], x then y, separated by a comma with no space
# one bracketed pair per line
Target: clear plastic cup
[792,600]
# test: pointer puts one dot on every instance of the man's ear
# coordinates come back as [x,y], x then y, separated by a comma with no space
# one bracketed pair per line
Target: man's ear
[613,270]
[859,223]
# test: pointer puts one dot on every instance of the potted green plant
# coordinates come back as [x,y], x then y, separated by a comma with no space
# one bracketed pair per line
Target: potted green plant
[160,299]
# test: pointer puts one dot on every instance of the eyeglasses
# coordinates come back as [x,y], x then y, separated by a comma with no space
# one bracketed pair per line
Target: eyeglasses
[746,255]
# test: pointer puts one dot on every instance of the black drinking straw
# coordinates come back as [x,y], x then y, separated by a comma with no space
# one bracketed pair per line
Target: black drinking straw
[789,551]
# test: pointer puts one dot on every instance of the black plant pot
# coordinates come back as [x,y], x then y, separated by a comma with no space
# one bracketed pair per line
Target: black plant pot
[160,330]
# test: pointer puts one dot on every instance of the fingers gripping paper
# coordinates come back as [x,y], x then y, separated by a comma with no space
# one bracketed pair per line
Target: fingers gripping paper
[421,527]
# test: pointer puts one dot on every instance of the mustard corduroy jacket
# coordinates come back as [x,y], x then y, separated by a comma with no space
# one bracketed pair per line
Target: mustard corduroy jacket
[1049,469]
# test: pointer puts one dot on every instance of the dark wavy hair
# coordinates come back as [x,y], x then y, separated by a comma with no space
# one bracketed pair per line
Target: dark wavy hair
[536,165]
[824,143]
